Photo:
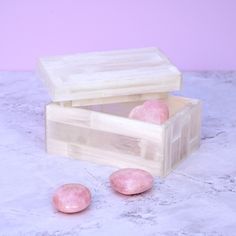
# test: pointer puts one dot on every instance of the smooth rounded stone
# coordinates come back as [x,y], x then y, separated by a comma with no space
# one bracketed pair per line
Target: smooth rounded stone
[153,111]
[131,181]
[72,198]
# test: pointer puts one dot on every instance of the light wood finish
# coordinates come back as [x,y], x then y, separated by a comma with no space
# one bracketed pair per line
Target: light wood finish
[103,134]
[128,98]
[109,77]
[93,94]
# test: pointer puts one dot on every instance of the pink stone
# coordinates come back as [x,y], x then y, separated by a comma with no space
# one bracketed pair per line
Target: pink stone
[131,181]
[152,111]
[71,198]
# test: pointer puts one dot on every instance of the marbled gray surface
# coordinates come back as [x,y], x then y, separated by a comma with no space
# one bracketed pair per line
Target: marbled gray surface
[197,199]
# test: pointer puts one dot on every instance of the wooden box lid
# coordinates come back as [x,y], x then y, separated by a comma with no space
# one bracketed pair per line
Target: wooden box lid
[109,76]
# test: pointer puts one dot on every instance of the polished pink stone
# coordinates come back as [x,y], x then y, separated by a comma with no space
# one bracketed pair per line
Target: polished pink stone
[71,198]
[153,111]
[131,181]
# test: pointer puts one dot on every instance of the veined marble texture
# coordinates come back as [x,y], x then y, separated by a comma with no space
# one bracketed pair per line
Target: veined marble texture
[197,199]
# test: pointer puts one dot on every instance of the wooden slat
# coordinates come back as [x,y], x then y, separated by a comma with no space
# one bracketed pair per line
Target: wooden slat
[104,122]
[100,156]
[109,100]
[69,94]
[137,76]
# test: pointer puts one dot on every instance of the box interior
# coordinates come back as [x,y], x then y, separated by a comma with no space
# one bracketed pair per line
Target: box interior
[123,109]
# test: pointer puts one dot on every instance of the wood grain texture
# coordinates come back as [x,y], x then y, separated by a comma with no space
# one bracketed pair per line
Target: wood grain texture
[127,98]
[103,134]
[112,76]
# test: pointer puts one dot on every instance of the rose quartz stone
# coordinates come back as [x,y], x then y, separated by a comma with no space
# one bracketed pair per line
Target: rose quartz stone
[152,111]
[131,181]
[71,198]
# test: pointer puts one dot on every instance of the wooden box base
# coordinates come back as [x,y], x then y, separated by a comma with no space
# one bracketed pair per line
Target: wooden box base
[103,134]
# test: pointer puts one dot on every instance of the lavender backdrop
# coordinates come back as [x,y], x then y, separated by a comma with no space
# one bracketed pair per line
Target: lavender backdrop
[197,35]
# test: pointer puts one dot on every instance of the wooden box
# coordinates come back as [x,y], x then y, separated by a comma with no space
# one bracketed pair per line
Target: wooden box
[93,94]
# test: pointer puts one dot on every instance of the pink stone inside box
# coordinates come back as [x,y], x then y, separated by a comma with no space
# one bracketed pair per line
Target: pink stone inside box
[93,94]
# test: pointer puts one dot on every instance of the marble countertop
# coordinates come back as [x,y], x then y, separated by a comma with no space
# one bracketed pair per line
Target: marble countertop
[197,199]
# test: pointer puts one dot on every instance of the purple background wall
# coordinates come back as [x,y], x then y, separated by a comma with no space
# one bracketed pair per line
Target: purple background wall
[196,35]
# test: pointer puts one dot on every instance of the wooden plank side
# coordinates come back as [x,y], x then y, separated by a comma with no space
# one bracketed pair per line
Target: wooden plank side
[111,158]
[118,99]
[104,122]
[179,142]
[167,150]
[68,115]
[195,129]
[166,84]
[135,76]
[105,140]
